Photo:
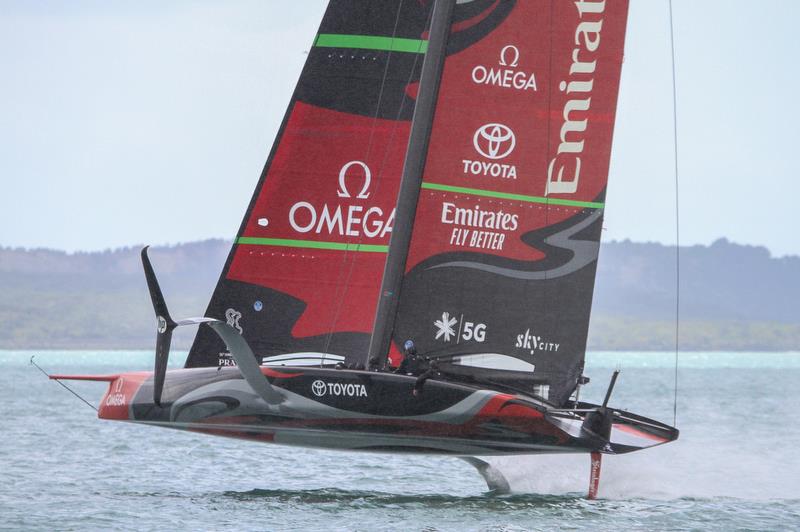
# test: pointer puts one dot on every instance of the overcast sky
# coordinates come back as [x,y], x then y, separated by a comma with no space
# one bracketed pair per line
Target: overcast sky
[133,122]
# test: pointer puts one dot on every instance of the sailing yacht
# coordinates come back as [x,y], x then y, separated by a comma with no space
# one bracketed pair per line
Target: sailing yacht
[440,178]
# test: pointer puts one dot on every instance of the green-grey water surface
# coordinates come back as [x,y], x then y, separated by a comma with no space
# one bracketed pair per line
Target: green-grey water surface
[735,466]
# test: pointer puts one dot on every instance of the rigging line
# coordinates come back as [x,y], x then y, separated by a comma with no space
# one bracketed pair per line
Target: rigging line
[379,175]
[677,217]
[434,6]
[549,138]
[342,287]
[70,390]
[394,134]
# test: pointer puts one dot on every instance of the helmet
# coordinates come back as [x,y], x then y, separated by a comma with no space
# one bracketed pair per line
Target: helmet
[409,347]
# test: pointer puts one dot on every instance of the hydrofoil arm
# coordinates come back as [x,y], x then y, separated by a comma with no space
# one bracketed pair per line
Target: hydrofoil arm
[165,326]
[246,362]
[493,477]
[237,345]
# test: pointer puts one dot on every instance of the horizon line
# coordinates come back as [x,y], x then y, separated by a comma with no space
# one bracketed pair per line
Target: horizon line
[138,246]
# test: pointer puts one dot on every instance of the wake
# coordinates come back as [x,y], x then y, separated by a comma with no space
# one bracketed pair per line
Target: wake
[684,469]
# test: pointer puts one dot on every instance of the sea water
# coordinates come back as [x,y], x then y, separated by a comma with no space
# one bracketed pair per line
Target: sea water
[735,466]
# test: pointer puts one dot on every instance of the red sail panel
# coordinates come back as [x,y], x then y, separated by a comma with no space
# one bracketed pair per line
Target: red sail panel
[304,274]
[319,232]
[505,241]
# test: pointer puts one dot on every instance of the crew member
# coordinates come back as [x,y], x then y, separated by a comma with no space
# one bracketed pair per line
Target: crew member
[433,371]
[374,364]
[412,363]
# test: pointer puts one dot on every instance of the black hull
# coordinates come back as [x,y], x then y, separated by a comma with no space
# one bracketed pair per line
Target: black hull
[369,411]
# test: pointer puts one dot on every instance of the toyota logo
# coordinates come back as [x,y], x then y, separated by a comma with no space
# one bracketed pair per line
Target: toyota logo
[318,387]
[494,141]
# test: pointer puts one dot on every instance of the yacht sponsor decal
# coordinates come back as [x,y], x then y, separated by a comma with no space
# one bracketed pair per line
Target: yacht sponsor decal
[449,328]
[507,73]
[321,388]
[343,192]
[116,397]
[445,327]
[493,142]
[225,359]
[344,219]
[534,343]
[477,227]
[232,317]
[564,170]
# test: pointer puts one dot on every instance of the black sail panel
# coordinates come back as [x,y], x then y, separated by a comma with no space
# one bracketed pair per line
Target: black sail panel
[502,260]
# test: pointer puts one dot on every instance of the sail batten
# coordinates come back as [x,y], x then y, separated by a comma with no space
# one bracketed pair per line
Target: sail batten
[511,196]
[311,244]
[413,168]
[372,42]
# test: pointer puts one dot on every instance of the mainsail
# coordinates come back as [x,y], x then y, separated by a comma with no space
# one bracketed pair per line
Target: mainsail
[302,280]
[495,232]
[501,263]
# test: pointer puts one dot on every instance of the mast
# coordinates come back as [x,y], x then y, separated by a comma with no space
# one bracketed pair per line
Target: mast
[411,180]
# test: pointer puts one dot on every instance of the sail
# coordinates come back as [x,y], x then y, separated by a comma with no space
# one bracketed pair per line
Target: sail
[302,280]
[501,264]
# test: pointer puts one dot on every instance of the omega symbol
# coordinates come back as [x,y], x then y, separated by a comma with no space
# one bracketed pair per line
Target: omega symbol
[514,54]
[343,192]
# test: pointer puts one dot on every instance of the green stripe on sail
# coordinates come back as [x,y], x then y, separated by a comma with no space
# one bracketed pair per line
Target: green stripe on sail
[311,244]
[371,42]
[518,197]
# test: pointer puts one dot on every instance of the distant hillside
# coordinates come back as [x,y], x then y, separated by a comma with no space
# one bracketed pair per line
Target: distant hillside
[733,297]
[723,281]
[51,299]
